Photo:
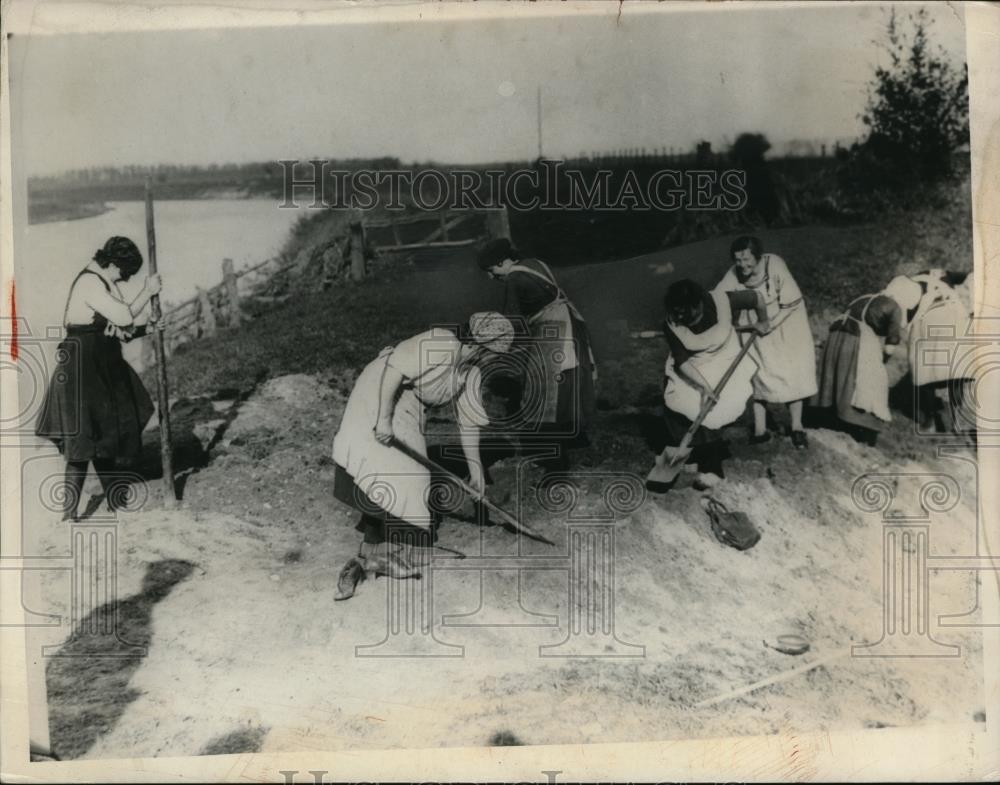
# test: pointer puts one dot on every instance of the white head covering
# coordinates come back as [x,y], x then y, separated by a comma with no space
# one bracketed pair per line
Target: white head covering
[905,291]
[492,330]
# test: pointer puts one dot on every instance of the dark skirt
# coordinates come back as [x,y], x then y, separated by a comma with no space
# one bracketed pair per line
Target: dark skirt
[838,378]
[95,405]
[347,491]
[708,447]
[555,404]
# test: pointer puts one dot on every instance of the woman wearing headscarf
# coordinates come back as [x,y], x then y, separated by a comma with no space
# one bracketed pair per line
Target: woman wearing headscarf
[559,363]
[96,407]
[854,383]
[702,345]
[934,314]
[387,406]
[785,355]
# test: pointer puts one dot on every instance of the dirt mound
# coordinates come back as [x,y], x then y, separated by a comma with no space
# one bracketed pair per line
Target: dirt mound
[253,639]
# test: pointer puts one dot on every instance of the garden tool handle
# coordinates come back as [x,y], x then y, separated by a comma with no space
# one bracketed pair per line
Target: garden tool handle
[479,496]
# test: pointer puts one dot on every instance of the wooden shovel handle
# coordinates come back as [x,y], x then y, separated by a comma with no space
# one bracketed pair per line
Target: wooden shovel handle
[480,497]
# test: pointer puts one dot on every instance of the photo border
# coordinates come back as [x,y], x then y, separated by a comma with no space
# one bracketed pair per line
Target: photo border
[966,751]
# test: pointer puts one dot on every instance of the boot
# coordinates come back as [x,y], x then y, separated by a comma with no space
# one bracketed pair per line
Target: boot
[351,575]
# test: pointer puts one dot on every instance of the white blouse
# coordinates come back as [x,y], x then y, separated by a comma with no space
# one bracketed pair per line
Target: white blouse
[89,296]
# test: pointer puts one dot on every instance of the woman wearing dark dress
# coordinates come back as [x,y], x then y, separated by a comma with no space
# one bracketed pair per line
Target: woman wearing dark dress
[559,366]
[96,407]
[854,383]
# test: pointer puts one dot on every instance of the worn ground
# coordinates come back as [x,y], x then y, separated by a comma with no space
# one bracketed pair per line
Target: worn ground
[232,592]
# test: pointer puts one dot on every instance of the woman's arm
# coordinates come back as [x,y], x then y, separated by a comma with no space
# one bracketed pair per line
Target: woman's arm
[115,310]
[470,447]
[392,380]
[789,295]
[689,373]
[101,301]
[471,418]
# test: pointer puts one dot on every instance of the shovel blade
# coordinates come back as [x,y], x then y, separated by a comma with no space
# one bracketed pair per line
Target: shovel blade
[663,474]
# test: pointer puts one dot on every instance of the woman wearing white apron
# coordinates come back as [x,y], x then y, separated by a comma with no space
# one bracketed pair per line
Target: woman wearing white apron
[854,383]
[702,345]
[387,405]
[934,313]
[559,366]
[786,354]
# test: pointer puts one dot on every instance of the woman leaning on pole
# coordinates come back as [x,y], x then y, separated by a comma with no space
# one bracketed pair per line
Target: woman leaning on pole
[386,408]
[96,407]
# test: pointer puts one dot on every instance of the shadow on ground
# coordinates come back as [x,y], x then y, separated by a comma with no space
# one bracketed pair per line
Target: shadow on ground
[87,679]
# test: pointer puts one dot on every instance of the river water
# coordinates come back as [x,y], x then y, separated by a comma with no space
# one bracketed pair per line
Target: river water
[192,239]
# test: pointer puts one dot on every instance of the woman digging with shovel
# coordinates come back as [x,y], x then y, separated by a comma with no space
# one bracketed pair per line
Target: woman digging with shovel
[380,451]
[708,379]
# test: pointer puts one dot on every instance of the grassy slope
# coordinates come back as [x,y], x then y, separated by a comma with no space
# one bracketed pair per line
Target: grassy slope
[345,326]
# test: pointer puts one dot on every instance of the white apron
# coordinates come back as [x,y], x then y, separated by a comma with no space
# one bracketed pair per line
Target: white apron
[871,379]
[941,317]
[394,482]
[786,357]
[713,352]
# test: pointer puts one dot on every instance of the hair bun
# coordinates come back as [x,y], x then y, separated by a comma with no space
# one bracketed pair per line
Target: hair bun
[119,251]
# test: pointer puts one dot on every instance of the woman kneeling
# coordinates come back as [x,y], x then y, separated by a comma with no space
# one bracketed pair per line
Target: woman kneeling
[702,346]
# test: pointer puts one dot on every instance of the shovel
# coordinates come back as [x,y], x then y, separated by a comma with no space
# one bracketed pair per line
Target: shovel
[662,475]
[505,516]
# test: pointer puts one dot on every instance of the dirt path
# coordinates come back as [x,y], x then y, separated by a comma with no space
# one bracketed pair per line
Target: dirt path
[248,650]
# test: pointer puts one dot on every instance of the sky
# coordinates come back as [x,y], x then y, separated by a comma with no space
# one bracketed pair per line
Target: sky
[458,92]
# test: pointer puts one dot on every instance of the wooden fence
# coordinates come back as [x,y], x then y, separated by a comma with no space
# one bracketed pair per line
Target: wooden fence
[345,256]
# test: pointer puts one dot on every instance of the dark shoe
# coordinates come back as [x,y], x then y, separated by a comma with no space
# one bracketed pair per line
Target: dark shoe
[762,439]
[351,575]
[800,440]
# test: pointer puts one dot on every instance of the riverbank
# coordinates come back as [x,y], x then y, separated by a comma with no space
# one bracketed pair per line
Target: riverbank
[48,209]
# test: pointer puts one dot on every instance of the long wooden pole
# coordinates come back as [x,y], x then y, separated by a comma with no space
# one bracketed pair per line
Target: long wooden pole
[162,391]
[773,679]
[480,497]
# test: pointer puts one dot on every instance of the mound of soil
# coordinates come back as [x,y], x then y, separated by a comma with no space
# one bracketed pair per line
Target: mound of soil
[250,650]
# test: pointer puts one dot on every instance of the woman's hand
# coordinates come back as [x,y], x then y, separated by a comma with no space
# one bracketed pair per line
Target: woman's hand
[383,431]
[760,327]
[477,477]
[153,284]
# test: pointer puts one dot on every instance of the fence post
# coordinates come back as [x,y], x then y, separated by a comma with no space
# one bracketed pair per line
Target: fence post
[357,247]
[206,318]
[395,231]
[229,281]
[443,222]
[498,222]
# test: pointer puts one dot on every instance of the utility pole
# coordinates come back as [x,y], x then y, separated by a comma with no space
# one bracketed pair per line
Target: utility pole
[539,121]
